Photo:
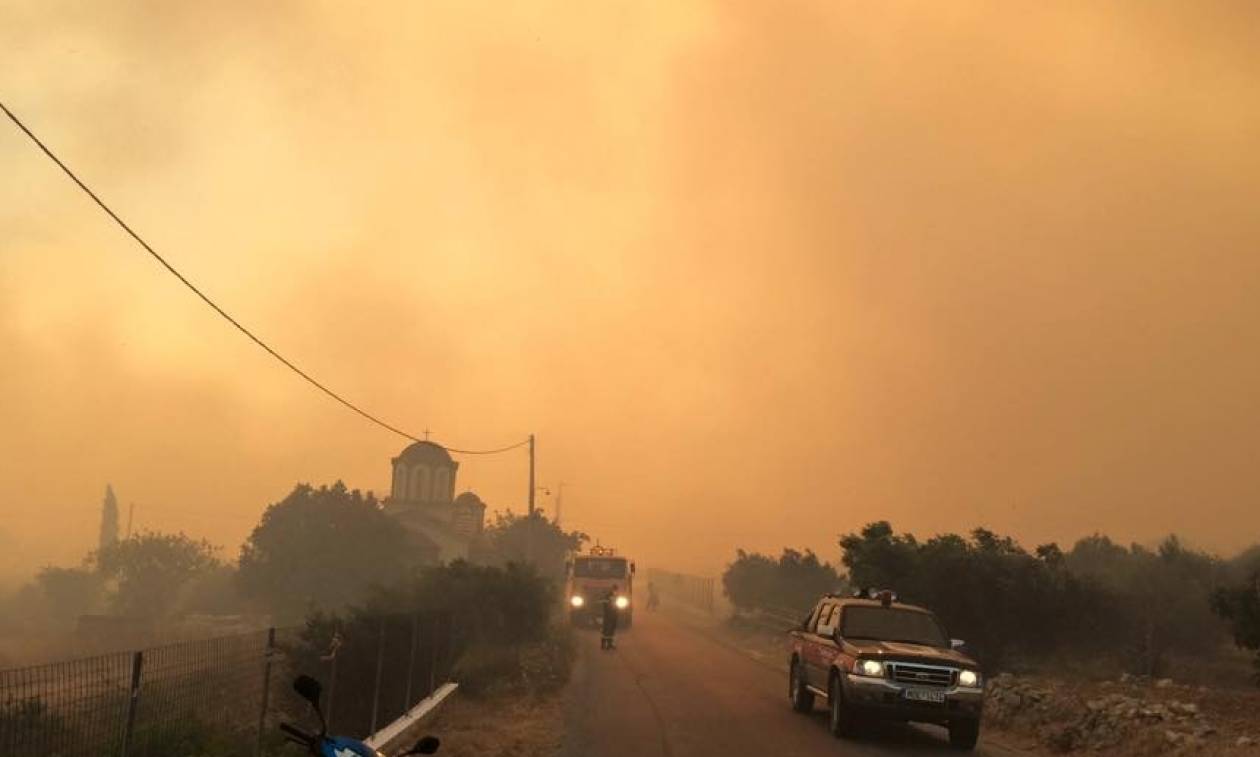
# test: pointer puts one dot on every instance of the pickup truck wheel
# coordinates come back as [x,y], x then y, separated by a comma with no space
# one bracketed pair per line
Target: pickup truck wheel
[802,698]
[841,722]
[963,734]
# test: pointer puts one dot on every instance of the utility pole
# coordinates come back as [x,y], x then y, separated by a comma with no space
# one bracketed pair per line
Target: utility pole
[529,522]
[531,475]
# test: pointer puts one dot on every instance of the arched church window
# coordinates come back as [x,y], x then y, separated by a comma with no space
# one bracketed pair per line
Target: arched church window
[420,483]
[442,485]
[398,490]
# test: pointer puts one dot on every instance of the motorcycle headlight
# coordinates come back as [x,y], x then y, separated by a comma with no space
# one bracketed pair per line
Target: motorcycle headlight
[576,600]
[969,678]
[872,668]
[622,602]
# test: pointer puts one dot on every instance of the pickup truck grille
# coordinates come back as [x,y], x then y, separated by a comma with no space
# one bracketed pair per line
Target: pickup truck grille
[921,675]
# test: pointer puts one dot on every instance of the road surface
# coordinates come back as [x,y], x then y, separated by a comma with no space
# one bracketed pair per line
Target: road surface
[674,689]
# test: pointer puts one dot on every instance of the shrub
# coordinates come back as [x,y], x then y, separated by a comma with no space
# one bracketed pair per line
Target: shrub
[1011,604]
[792,582]
[1240,606]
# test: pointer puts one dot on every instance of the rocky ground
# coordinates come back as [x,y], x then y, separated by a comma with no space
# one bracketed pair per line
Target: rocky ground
[1129,716]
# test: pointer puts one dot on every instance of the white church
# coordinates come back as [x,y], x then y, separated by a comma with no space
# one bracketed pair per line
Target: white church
[422,499]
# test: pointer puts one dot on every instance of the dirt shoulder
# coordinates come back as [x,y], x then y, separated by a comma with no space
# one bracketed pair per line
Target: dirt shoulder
[499,725]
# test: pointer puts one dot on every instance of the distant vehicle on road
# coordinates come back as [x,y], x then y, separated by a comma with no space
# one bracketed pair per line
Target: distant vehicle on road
[590,577]
[872,657]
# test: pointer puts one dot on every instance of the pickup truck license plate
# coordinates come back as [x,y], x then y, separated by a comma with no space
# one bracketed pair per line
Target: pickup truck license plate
[925,695]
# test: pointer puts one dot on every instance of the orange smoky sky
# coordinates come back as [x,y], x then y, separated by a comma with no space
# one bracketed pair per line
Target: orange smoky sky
[754,273]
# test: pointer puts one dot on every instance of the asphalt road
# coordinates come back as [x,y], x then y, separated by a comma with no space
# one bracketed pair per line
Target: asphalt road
[672,690]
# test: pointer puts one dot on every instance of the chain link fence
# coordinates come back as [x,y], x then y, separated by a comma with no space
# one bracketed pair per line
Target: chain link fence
[223,697]
[697,591]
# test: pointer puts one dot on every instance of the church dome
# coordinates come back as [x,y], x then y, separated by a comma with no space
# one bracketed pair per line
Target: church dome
[425,453]
[468,499]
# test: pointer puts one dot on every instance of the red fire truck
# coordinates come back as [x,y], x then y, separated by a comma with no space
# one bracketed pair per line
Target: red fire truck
[591,577]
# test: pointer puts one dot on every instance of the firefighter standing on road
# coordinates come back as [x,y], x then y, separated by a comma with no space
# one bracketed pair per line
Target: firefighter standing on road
[609,629]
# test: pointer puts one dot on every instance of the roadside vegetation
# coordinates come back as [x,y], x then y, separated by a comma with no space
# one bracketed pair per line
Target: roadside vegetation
[324,558]
[1167,610]
[790,583]
[327,562]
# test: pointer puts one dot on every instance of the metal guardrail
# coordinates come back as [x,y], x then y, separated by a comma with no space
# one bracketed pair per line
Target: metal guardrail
[222,696]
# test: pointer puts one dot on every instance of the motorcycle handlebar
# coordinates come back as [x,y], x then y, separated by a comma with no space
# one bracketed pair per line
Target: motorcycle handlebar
[298,733]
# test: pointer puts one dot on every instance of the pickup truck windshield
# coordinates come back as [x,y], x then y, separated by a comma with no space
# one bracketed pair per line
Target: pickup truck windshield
[892,624]
[600,567]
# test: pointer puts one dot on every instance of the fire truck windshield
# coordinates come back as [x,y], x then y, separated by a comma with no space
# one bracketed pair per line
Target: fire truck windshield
[599,567]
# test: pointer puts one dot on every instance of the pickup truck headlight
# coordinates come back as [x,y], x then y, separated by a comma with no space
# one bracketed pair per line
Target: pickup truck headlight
[872,668]
[576,600]
[622,602]
[969,678]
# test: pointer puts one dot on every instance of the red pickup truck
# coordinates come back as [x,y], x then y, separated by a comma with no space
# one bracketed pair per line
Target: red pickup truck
[871,656]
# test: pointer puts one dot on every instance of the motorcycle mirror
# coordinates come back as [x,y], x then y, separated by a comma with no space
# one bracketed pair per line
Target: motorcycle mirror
[308,688]
[426,745]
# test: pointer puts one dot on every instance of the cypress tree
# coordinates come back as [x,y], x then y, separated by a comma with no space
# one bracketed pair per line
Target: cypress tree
[109,519]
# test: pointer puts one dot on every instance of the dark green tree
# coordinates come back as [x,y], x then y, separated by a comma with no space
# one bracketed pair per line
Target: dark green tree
[109,520]
[69,592]
[877,557]
[147,571]
[1240,607]
[791,583]
[1158,600]
[324,549]
[522,539]
[749,581]
[986,589]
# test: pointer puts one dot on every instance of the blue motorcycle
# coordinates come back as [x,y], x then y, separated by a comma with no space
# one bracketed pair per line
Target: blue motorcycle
[322,745]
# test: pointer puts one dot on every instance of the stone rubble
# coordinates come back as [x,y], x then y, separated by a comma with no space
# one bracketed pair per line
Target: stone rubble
[1064,723]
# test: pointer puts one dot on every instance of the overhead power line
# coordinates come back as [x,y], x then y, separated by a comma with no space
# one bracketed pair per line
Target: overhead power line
[226,316]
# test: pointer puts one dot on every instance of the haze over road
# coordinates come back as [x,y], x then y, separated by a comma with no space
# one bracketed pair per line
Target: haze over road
[671,690]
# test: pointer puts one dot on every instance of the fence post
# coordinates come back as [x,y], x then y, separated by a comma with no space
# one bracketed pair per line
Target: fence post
[380,662]
[137,664]
[332,687]
[433,654]
[411,661]
[266,689]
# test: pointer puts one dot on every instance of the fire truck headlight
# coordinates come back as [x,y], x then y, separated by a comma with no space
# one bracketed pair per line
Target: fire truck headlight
[576,600]
[872,668]
[622,602]
[969,678]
